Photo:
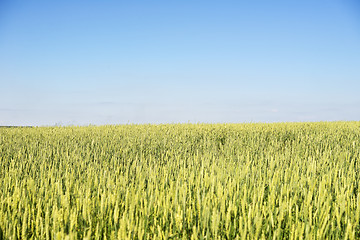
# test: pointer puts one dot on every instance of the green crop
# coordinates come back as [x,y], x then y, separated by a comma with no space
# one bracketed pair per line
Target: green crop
[181,181]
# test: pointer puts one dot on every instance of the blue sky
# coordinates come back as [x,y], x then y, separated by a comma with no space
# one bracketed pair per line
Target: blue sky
[117,62]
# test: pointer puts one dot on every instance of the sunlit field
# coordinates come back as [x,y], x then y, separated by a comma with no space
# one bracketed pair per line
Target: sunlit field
[181,181]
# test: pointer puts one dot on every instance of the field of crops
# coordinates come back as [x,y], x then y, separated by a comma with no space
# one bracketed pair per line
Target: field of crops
[181,181]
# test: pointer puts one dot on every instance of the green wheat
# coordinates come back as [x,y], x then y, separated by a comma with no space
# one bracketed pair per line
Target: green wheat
[181,181]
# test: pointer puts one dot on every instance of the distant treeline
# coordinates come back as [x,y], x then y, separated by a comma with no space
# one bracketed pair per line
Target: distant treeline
[16,126]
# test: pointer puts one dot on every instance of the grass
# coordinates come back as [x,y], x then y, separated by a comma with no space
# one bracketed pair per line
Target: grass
[181,181]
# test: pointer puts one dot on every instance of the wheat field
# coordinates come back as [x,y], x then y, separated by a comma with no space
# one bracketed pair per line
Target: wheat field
[181,181]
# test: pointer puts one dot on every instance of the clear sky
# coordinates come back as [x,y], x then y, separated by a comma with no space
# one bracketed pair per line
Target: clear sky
[117,62]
